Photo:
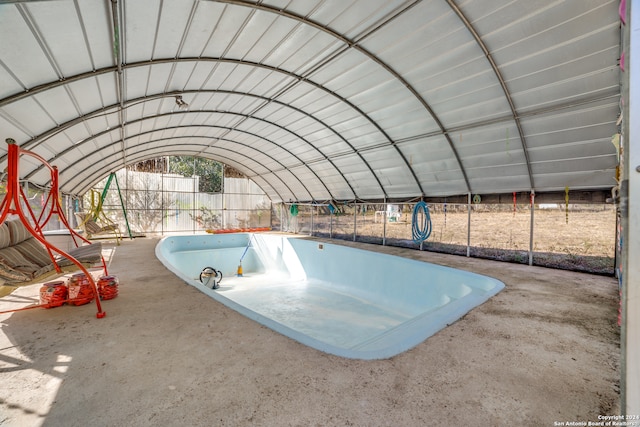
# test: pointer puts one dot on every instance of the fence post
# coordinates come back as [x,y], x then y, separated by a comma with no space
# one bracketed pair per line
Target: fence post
[532,207]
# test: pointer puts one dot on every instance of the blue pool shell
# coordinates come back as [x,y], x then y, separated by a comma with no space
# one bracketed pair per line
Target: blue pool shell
[317,292]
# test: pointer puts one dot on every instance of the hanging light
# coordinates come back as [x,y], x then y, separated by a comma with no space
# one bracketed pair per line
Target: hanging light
[180,103]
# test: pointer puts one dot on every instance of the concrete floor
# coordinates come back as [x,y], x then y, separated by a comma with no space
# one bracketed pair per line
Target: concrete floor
[544,350]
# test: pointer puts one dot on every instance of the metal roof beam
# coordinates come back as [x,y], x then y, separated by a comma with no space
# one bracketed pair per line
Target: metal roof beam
[103,111]
[62,153]
[117,57]
[148,154]
[354,44]
[35,141]
[503,84]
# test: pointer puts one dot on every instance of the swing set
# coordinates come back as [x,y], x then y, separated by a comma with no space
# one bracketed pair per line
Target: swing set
[15,202]
[95,222]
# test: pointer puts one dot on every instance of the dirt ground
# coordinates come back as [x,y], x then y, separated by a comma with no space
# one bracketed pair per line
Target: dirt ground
[581,240]
[544,350]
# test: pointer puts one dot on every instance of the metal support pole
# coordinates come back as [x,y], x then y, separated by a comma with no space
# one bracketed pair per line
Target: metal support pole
[330,224]
[124,210]
[126,185]
[355,220]
[532,207]
[193,197]
[630,216]
[311,230]
[468,224]
[421,241]
[222,213]
[162,210]
[384,223]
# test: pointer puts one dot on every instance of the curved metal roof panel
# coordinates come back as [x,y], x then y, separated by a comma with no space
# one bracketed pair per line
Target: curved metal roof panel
[318,99]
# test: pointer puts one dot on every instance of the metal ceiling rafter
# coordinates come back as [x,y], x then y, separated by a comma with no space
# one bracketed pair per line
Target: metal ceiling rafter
[149,154]
[35,141]
[298,79]
[357,152]
[62,153]
[118,46]
[355,45]
[503,84]
[302,163]
[222,138]
[232,162]
[180,45]
[327,158]
[85,36]
[152,152]
[54,84]
[365,21]
[46,51]
[305,78]
[104,111]
[96,175]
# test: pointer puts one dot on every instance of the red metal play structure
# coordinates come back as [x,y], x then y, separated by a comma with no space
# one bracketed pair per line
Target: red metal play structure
[11,204]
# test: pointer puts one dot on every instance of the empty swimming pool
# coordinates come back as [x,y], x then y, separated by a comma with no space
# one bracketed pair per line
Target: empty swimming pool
[344,301]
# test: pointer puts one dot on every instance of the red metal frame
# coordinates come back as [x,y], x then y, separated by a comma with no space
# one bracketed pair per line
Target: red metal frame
[11,205]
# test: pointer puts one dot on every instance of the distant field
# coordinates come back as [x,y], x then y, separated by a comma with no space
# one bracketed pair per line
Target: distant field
[585,233]
[586,241]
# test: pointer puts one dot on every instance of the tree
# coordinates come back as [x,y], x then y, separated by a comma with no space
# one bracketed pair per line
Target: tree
[209,171]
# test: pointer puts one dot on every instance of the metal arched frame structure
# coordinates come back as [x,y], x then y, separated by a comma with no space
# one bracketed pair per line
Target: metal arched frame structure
[363,100]
[421,178]
[117,109]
